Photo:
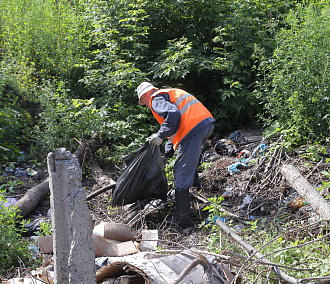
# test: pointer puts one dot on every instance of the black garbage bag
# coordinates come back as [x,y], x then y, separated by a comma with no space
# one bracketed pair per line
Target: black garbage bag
[143,177]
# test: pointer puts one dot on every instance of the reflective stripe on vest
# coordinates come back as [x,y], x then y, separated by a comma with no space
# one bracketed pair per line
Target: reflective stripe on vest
[192,112]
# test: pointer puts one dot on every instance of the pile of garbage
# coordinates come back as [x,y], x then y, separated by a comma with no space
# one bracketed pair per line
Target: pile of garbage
[121,256]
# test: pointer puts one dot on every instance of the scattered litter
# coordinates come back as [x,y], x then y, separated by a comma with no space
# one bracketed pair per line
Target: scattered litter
[114,231]
[20,172]
[244,154]
[39,276]
[313,219]
[32,173]
[149,240]
[297,203]
[225,147]
[159,269]
[34,226]
[238,228]
[34,249]
[227,194]
[9,202]
[9,170]
[242,162]
[210,156]
[209,220]
[45,244]
[238,138]
[106,247]
[230,187]
[246,201]
[235,168]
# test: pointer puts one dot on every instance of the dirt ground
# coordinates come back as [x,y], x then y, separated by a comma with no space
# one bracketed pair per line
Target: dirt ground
[258,181]
[266,188]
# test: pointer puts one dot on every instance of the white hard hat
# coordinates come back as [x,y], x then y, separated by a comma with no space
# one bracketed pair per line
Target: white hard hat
[143,88]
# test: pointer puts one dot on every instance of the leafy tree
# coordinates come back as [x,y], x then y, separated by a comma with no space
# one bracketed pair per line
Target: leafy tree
[295,89]
[41,43]
[207,48]
[102,50]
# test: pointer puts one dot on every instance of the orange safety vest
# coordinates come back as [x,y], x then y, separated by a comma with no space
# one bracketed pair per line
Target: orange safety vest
[192,112]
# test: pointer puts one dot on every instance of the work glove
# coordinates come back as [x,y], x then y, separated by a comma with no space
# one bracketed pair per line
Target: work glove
[155,139]
[169,150]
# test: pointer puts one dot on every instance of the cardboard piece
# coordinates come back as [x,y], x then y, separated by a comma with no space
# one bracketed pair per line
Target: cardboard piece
[105,247]
[114,231]
[162,269]
[45,244]
[102,246]
[149,240]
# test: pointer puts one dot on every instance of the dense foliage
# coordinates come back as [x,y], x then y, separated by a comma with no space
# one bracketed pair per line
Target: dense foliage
[69,69]
[295,87]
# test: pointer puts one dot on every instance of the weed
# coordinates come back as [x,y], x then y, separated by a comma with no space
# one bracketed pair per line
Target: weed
[12,246]
[45,229]
[11,185]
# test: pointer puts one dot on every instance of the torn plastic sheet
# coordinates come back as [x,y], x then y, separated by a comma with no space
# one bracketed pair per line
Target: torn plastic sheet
[158,269]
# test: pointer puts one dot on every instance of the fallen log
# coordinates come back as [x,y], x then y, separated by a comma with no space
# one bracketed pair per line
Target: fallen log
[32,197]
[307,191]
[256,253]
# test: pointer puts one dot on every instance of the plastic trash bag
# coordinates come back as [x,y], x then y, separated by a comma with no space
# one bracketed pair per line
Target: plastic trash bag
[143,177]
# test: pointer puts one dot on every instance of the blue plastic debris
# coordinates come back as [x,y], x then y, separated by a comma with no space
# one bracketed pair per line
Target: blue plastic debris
[243,163]
[31,172]
[234,168]
[20,172]
[21,158]
[208,220]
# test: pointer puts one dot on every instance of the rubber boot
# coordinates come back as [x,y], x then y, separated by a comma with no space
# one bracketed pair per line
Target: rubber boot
[197,182]
[182,206]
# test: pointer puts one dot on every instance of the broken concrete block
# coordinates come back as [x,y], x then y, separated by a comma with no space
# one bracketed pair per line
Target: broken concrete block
[74,254]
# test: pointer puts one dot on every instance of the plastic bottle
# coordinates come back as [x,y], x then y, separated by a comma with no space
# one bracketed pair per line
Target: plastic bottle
[227,194]
[297,203]
[238,228]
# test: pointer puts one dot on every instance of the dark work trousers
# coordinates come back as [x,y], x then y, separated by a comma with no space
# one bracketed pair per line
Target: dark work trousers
[187,158]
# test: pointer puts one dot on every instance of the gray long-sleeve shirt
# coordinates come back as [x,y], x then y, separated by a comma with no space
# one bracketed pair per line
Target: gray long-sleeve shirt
[162,105]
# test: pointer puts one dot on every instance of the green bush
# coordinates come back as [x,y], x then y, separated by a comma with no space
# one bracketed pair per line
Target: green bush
[205,48]
[63,119]
[12,246]
[41,42]
[295,83]
[14,121]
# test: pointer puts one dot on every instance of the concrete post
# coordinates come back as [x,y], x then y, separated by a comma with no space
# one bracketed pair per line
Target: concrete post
[74,256]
